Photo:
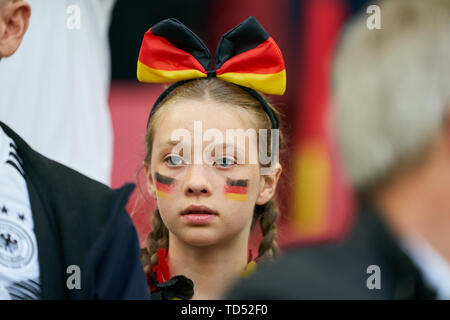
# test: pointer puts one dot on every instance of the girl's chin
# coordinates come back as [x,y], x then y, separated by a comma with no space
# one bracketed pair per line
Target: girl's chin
[200,238]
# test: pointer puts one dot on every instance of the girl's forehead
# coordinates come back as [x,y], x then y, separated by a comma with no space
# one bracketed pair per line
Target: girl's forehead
[192,114]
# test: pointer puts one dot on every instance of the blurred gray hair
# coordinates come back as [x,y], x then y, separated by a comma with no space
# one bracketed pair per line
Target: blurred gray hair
[391,87]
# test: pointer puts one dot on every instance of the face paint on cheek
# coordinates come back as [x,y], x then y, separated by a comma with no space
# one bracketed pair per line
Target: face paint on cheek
[236,189]
[164,186]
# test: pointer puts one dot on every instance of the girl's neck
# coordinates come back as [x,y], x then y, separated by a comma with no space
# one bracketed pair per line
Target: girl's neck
[212,269]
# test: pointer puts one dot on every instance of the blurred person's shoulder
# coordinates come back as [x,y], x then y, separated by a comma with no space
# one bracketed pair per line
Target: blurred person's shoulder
[365,264]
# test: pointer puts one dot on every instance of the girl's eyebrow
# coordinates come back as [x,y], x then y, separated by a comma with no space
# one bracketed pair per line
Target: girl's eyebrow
[232,146]
[172,143]
[169,143]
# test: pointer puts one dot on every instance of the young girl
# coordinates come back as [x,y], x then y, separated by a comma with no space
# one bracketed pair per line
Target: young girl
[206,210]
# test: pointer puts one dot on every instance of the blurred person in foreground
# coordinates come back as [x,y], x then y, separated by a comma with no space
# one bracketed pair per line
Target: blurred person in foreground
[54,90]
[391,92]
[62,235]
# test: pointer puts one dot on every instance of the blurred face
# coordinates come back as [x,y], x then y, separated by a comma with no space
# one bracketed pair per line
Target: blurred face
[209,202]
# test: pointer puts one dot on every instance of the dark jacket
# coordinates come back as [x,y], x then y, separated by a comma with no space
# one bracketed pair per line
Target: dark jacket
[79,221]
[339,270]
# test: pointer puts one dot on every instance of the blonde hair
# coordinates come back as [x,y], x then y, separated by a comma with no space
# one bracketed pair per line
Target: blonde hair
[222,92]
[391,87]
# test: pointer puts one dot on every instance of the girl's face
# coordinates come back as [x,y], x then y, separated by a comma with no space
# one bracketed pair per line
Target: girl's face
[205,201]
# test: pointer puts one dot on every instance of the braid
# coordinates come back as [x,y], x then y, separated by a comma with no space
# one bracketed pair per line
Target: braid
[156,239]
[268,213]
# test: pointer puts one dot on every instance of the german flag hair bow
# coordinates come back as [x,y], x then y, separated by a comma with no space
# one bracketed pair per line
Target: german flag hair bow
[246,55]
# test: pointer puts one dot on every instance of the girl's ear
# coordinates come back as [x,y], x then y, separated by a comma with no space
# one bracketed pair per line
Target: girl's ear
[150,185]
[268,185]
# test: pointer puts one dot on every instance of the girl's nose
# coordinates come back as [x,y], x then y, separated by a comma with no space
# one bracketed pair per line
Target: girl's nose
[197,181]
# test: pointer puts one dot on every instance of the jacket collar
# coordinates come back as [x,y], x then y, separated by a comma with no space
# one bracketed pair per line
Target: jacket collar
[407,278]
[49,250]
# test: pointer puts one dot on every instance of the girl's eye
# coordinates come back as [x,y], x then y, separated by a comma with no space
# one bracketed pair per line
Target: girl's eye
[174,160]
[225,162]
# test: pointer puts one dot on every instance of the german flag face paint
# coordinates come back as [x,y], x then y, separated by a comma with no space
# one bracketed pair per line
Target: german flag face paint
[164,186]
[236,190]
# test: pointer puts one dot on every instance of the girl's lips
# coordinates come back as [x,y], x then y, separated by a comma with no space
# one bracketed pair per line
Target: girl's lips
[198,209]
[199,218]
[198,214]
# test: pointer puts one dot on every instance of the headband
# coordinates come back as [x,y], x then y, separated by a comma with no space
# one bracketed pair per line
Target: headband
[246,56]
